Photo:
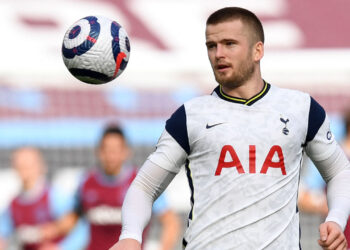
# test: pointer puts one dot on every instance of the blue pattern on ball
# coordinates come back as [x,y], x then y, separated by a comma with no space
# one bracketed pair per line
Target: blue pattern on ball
[115,27]
[74,32]
[88,43]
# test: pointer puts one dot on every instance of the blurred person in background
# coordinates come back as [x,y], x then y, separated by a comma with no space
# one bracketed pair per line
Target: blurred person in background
[36,204]
[101,194]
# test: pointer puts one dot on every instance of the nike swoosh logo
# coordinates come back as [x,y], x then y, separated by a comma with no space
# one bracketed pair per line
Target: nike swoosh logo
[213,125]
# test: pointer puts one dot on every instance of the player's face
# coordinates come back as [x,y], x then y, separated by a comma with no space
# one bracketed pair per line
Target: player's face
[112,153]
[231,53]
[28,164]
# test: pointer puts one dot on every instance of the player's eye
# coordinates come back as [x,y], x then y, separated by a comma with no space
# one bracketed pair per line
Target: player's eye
[230,43]
[211,45]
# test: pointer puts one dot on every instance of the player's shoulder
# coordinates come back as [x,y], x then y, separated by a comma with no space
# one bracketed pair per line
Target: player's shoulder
[282,92]
[91,173]
[286,96]
[195,105]
[200,103]
[199,99]
[87,176]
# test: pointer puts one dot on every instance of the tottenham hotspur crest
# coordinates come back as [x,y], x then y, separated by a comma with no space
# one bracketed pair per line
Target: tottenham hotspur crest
[285,130]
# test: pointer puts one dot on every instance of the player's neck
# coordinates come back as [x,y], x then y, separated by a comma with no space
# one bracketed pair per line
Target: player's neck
[31,188]
[246,91]
[112,172]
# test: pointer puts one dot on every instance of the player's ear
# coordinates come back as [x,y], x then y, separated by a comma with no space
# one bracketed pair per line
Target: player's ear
[258,51]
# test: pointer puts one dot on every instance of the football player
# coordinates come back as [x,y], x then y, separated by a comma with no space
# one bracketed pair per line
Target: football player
[101,194]
[242,149]
[37,203]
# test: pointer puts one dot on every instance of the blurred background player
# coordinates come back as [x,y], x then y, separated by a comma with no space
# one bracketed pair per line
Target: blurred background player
[101,194]
[36,204]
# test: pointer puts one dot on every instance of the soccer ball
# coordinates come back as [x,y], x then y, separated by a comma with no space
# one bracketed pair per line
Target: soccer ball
[96,49]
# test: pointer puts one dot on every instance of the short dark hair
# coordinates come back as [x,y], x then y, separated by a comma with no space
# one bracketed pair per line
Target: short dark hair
[245,16]
[112,129]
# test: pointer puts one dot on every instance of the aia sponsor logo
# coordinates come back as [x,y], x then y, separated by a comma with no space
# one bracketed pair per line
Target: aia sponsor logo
[270,160]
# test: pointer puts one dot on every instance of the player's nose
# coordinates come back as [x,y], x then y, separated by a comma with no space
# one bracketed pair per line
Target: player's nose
[220,52]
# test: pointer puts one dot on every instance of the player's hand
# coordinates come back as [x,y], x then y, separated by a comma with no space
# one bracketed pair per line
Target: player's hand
[126,244]
[48,231]
[332,237]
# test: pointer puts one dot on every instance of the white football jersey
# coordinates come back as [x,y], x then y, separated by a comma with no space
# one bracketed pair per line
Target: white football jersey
[243,160]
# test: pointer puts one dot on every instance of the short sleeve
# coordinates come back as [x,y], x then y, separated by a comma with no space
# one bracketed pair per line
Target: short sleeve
[176,126]
[316,118]
[169,155]
[173,145]
[320,143]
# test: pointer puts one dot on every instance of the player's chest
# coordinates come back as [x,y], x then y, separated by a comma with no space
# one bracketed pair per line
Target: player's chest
[250,141]
[95,195]
[31,213]
[247,127]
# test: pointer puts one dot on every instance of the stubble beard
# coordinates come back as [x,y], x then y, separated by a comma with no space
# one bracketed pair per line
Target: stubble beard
[242,74]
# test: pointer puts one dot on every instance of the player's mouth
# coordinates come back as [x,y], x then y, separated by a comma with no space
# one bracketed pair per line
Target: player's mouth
[222,67]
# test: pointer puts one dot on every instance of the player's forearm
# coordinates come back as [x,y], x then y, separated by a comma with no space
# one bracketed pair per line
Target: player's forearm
[66,223]
[77,238]
[137,207]
[136,213]
[335,170]
[338,196]
[58,228]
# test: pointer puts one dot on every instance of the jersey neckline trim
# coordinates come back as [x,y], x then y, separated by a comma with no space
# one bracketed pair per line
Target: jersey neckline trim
[248,102]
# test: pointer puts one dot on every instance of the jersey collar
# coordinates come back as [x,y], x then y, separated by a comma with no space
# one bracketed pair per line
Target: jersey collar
[248,102]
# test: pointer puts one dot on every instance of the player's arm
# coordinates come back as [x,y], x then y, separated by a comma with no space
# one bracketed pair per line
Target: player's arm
[66,211]
[336,172]
[77,238]
[153,177]
[170,229]
[334,167]
[137,207]
[60,227]
[75,233]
